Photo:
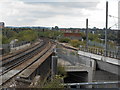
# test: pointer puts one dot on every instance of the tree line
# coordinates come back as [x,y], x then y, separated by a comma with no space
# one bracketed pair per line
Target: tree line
[27,34]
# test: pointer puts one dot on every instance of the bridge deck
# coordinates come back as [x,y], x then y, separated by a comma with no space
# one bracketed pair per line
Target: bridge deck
[31,69]
[99,57]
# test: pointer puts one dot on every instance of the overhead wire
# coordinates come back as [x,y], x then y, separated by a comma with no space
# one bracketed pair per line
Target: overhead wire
[116,24]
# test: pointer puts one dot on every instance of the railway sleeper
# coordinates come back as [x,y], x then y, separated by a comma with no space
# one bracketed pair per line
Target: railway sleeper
[24,54]
[18,53]
[23,59]
[23,80]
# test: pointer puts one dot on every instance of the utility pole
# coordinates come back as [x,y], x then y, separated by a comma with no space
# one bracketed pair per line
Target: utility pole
[106,28]
[87,34]
[119,15]
[118,36]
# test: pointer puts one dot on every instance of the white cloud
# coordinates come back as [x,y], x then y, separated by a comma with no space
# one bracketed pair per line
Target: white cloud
[52,0]
[19,13]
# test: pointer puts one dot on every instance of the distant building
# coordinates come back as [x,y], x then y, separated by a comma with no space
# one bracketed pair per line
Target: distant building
[63,30]
[119,15]
[73,36]
[70,30]
[2,25]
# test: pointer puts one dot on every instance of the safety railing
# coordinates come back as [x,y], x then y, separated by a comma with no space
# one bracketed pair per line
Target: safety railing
[113,84]
[98,51]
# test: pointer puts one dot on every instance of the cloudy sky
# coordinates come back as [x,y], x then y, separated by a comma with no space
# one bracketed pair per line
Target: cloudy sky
[63,13]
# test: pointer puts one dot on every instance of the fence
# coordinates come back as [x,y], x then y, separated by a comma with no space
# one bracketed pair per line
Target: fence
[102,45]
[5,48]
[98,51]
[114,84]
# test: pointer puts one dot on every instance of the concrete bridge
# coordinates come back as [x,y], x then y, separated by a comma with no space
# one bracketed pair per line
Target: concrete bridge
[111,65]
[83,63]
[95,68]
[94,57]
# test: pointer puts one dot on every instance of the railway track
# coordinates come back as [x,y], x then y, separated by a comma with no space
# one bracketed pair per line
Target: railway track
[16,62]
[4,58]
[17,59]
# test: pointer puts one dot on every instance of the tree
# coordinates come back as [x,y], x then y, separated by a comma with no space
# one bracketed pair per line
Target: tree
[56,28]
[5,40]
[83,35]
[28,35]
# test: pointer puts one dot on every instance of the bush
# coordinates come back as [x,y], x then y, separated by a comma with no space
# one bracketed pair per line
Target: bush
[55,83]
[61,71]
[5,40]
[58,79]
[64,40]
[83,43]
[75,43]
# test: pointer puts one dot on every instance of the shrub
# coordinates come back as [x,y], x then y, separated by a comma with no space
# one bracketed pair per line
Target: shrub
[64,40]
[55,83]
[83,43]
[75,43]
[58,79]
[61,71]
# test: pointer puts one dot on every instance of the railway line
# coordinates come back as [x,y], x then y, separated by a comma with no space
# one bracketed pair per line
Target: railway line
[18,52]
[6,56]
[17,59]
[22,60]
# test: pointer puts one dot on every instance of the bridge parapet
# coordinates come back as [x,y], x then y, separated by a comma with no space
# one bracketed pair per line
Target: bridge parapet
[98,51]
[99,57]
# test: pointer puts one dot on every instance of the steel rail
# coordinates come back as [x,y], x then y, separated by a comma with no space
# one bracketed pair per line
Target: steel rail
[46,48]
[20,59]
[17,53]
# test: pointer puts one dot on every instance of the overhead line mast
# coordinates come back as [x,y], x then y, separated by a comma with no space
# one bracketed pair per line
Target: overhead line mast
[106,28]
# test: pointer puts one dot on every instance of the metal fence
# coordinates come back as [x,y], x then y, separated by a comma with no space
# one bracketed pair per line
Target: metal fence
[114,84]
[102,45]
[5,48]
[98,51]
